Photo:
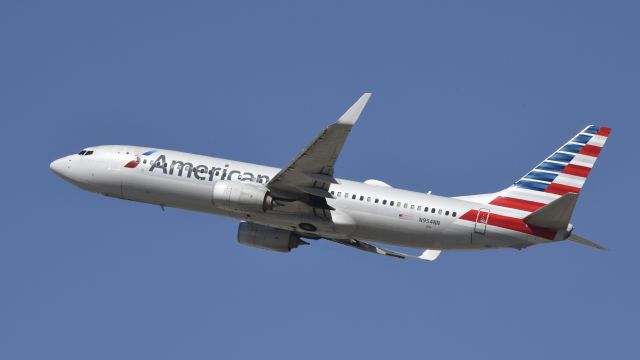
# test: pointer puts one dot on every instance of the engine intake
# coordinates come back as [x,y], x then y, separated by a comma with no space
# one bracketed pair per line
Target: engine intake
[241,197]
[265,237]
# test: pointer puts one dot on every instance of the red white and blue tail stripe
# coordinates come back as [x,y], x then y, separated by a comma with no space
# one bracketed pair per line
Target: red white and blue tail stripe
[564,171]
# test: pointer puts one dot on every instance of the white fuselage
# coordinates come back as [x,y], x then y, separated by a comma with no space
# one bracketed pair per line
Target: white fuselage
[361,210]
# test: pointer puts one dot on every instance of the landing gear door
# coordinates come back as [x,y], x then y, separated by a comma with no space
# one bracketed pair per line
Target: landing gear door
[481,221]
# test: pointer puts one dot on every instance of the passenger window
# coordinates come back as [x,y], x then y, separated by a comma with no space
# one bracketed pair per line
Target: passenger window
[377,201]
[413,207]
[332,192]
[361,197]
[391,203]
[446,213]
[426,209]
[144,161]
[419,207]
[346,195]
[454,214]
[399,204]
[433,210]
[339,193]
[353,197]
[405,205]
[440,212]
[368,198]
[384,202]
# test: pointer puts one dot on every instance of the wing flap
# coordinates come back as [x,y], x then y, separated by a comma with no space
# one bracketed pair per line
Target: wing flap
[316,192]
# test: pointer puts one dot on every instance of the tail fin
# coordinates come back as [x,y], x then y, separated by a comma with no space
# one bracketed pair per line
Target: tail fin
[567,169]
[563,172]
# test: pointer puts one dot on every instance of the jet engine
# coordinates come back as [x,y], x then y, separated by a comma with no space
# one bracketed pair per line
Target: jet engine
[241,197]
[265,237]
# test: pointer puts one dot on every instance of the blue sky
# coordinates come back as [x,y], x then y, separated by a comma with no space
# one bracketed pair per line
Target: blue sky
[468,96]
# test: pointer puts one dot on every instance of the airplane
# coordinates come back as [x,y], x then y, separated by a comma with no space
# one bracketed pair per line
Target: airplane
[278,208]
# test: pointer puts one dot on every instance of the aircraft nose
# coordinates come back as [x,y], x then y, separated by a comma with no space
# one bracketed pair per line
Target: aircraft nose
[61,167]
[56,166]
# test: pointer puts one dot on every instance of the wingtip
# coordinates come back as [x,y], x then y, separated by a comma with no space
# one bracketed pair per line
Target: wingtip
[350,117]
[430,255]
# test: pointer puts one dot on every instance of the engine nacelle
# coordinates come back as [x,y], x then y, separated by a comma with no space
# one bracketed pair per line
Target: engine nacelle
[241,197]
[265,237]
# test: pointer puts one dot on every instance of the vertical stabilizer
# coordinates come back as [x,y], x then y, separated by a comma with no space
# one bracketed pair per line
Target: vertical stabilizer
[563,172]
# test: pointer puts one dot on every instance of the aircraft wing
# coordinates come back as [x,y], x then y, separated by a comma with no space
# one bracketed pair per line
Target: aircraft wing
[427,255]
[308,175]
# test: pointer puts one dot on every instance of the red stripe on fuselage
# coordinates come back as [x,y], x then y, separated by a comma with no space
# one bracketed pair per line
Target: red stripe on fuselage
[590,150]
[576,170]
[511,223]
[560,189]
[514,203]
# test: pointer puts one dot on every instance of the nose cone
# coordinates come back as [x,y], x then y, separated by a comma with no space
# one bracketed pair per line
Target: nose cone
[57,166]
[63,168]
[74,169]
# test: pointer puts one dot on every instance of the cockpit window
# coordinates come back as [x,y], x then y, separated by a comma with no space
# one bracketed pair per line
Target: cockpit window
[89,152]
[82,152]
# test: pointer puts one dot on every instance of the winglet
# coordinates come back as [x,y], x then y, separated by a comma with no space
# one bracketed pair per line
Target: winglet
[430,255]
[351,116]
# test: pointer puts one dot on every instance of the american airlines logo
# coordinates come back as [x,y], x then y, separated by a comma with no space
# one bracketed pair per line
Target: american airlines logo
[199,172]
[134,163]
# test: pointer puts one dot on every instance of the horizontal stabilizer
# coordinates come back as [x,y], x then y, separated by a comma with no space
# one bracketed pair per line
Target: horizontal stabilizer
[554,215]
[583,241]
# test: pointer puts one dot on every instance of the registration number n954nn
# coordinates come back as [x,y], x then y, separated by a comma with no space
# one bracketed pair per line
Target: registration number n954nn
[429,221]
